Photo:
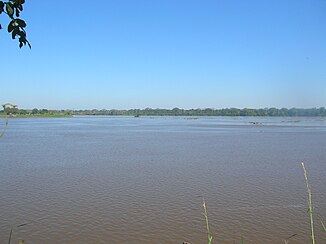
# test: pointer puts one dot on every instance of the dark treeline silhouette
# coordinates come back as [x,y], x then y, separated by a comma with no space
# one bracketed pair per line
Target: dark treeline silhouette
[293,112]
[283,112]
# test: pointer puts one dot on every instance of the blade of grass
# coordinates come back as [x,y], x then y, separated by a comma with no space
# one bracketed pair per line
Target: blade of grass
[322,223]
[286,241]
[11,231]
[309,205]
[21,225]
[10,235]
[209,236]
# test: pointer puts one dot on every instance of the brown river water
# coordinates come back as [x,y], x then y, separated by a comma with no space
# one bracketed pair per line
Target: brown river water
[143,180]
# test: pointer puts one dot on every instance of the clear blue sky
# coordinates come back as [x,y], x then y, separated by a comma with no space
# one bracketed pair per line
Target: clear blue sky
[167,53]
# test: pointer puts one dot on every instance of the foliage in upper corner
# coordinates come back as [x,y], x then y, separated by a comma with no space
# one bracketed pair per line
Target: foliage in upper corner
[16,26]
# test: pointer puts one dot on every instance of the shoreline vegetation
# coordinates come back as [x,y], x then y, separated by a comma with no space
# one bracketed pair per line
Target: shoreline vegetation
[52,115]
[264,112]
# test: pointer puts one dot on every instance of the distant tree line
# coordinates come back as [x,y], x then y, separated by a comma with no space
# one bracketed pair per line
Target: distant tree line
[283,112]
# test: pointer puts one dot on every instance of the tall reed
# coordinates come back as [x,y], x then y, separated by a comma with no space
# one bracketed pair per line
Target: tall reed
[286,241]
[322,224]
[309,205]
[209,235]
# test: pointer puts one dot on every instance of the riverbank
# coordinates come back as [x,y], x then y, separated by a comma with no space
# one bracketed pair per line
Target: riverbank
[37,116]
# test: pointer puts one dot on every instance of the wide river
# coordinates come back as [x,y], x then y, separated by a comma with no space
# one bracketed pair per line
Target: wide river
[142,180]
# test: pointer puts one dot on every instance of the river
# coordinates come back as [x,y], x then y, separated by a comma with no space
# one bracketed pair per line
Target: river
[143,180]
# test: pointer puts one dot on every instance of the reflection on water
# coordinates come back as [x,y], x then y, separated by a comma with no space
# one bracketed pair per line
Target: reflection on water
[142,180]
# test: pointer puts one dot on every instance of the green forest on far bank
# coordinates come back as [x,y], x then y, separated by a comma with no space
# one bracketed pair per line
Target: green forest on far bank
[283,112]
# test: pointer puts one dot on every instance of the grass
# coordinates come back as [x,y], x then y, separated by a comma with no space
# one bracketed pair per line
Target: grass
[322,224]
[312,232]
[287,240]
[11,232]
[209,235]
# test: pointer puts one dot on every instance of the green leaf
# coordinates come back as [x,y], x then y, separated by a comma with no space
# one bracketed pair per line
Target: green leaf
[20,7]
[17,12]
[18,1]
[11,26]
[15,32]
[10,10]
[18,4]
[22,34]
[1,6]
[21,23]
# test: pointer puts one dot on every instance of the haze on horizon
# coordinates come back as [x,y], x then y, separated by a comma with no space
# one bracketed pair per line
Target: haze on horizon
[165,54]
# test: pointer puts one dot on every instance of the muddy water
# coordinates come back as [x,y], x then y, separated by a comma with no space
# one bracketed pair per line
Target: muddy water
[142,180]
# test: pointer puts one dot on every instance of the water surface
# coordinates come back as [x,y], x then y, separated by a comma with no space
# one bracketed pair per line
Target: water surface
[142,180]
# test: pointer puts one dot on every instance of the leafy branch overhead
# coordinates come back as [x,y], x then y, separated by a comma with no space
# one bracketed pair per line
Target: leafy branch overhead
[16,27]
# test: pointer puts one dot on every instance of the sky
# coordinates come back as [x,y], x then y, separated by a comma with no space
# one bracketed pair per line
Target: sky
[123,54]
